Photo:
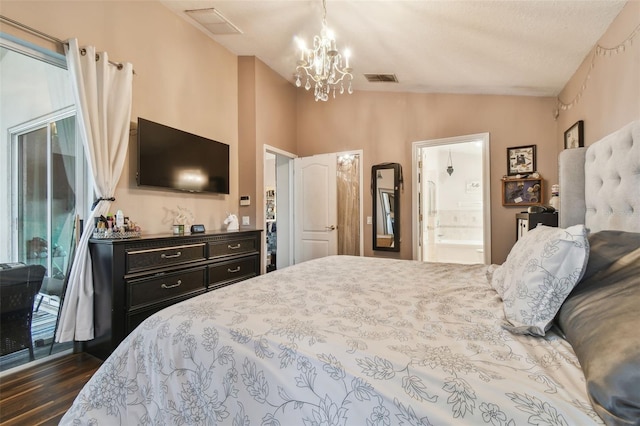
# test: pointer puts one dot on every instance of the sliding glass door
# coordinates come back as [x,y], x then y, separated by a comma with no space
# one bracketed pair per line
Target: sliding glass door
[43,178]
[46,194]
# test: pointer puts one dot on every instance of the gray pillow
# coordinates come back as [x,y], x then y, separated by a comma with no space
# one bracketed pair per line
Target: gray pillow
[601,320]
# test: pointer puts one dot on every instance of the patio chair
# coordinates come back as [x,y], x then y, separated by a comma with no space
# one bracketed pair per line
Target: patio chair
[51,287]
[19,286]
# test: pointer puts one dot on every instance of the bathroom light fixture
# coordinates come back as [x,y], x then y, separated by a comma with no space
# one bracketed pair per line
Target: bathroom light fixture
[323,65]
[450,165]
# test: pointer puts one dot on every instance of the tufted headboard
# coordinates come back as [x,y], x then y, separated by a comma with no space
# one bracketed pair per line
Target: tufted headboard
[600,184]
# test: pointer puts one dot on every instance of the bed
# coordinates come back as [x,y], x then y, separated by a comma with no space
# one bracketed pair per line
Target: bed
[366,341]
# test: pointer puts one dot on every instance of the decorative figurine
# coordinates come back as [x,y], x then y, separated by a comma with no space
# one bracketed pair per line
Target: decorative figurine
[232,222]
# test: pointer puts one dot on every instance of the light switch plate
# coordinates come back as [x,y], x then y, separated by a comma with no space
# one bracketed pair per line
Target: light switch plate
[246,220]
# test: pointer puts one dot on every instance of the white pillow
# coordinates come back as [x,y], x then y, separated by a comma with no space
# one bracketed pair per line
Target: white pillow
[495,274]
[539,273]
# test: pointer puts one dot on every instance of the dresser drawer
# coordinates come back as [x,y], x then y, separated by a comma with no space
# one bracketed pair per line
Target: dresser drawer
[135,317]
[224,273]
[162,287]
[144,259]
[232,247]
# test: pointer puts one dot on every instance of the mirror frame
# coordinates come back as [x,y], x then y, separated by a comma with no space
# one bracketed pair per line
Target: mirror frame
[375,194]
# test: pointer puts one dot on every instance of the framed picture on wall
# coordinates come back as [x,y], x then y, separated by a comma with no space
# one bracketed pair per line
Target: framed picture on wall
[521,160]
[522,192]
[574,136]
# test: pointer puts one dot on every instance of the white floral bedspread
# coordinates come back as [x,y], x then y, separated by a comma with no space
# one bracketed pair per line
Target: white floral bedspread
[339,341]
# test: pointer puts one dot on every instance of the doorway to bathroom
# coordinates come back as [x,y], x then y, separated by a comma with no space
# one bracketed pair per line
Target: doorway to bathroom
[452,200]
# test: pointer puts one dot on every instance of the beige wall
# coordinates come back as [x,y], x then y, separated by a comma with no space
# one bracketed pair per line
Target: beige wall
[266,117]
[183,79]
[247,142]
[275,122]
[611,96]
[385,125]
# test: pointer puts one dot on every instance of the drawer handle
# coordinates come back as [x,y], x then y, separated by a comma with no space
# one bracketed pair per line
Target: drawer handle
[171,256]
[236,247]
[233,271]
[172,286]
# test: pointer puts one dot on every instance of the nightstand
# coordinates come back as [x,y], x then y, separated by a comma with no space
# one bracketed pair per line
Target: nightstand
[526,221]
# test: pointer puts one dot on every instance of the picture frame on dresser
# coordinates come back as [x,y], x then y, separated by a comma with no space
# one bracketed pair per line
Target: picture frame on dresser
[522,192]
[521,160]
[574,135]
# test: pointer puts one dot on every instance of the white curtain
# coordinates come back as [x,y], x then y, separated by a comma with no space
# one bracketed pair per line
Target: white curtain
[103,99]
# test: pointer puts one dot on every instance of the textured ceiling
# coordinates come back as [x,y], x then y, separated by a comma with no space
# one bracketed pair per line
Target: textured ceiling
[515,47]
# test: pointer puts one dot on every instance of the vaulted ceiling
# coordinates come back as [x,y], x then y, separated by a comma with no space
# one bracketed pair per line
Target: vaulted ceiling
[513,47]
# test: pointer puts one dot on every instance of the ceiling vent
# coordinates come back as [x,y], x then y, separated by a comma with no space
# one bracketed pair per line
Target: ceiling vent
[381,78]
[213,21]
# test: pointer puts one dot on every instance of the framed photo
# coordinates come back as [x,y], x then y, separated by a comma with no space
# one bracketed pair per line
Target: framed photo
[522,192]
[521,160]
[574,136]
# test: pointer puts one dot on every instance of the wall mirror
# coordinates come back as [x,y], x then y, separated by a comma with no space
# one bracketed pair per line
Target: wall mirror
[385,184]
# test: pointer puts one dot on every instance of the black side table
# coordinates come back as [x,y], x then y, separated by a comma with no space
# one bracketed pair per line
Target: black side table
[527,221]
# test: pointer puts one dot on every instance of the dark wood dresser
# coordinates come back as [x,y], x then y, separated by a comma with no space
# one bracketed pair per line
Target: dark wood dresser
[134,278]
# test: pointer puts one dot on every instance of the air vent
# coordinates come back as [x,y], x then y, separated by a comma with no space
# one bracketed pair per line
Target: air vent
[213,21]
[381,78]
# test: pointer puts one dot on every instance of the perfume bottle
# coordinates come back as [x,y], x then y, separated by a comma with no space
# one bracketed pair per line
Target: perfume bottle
[120,220]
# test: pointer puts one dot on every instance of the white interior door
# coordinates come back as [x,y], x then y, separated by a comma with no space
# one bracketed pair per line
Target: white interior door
[315,214]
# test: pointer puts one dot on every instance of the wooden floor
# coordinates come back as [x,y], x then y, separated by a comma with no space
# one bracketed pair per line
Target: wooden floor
[41,395]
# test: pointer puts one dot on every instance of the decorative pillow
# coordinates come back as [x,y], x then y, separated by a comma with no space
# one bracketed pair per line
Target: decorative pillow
[600,319]
[495,275]
[540,272]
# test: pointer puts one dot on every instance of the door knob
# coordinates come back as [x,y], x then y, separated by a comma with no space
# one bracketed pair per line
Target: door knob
[330,228]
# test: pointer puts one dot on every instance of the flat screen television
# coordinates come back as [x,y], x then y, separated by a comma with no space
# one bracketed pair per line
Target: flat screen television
[175,159]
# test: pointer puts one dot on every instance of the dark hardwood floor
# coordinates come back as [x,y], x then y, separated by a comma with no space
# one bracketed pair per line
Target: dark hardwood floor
[40,395]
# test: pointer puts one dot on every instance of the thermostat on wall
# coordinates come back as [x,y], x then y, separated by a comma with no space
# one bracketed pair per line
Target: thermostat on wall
[245,200]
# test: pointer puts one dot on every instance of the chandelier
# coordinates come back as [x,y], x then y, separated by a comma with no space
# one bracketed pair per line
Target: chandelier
[323,66]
